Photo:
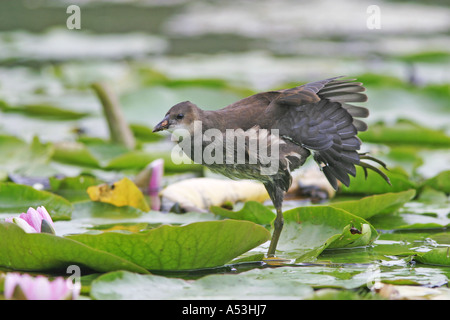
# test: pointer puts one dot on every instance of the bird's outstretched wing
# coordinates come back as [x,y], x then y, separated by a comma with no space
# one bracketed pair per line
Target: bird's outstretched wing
[318,117]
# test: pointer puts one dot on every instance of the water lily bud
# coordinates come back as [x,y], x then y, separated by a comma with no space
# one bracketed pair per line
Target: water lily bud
[26,287]
[23,225]
[154,185]
[34,220]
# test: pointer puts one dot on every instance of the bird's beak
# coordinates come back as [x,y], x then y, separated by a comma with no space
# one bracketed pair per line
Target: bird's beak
[163,125]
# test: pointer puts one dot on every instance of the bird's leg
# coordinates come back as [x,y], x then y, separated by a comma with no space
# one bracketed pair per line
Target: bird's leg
[278,227]
[276,195]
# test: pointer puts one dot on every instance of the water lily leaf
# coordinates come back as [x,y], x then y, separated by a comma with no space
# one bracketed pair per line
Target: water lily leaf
[126,285]
[120,193]
[374,183]
[73,188]
[49,252]
[20,157]
[75,153]
[17,198]
[252,211]
[369,206]
[431,195]
[310,230]
[44,111]
[426,56]
[138,159]
[405,132]
[144,133]
[96,153]
[192,246]
[436,256]
[349,277]
[406,157]
[440,182]
[415,215]
[94,209]
[103,151]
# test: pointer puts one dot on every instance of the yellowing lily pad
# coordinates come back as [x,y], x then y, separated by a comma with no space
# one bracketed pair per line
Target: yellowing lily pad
[120,193]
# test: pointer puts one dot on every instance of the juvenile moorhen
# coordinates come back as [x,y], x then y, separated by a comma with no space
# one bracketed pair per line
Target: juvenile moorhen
[293,123]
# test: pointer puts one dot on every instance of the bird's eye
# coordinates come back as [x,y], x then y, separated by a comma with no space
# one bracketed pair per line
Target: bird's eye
[180,116]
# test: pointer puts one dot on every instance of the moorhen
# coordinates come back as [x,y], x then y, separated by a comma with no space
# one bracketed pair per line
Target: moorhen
[291,123]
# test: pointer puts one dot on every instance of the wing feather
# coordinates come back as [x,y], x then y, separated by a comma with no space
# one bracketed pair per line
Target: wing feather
[326,124]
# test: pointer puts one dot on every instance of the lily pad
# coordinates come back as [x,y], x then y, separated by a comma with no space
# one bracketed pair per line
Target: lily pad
[375,184]
[252,211]
[44,111]
[138,159]
[144,133]
[440,182]
[21,157]
[372,205]
[73,188]
[95,209]
[120,193]
[125,285]
[196,245]
[17,198]
[96,153]
[50,252]
[405,132]
[310,230]
[76,154]
[437,256]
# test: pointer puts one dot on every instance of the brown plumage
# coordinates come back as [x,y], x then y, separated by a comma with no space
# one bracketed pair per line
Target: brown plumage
[313,118]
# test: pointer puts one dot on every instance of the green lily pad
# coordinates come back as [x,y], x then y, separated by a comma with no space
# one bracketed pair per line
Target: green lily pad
[76,154]
[43,252]
[144,133]
[426,57]
[252,211]
[405,132]
[125,285]
[415,215]
[17,198]
[375,184]
[437,256]
[369,206]
[44,111]
[406,157]
[310,230]
[440,182]
[140,159]
[96,153]
[20,157]
[96,209]
[73,188]
[192,246]
[103,151]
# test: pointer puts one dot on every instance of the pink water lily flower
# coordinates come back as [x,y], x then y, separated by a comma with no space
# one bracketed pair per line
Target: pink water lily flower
[154,185]
[33,220]
[26,287]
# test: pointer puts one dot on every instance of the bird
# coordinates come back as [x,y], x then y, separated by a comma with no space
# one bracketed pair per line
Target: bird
[315,119]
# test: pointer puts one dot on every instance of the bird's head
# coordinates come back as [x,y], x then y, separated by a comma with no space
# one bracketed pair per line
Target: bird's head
[180,116]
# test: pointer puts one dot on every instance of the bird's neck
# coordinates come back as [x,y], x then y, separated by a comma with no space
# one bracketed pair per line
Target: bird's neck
[211,120]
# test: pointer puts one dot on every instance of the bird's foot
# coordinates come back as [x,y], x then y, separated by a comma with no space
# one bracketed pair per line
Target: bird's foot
[275,261]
